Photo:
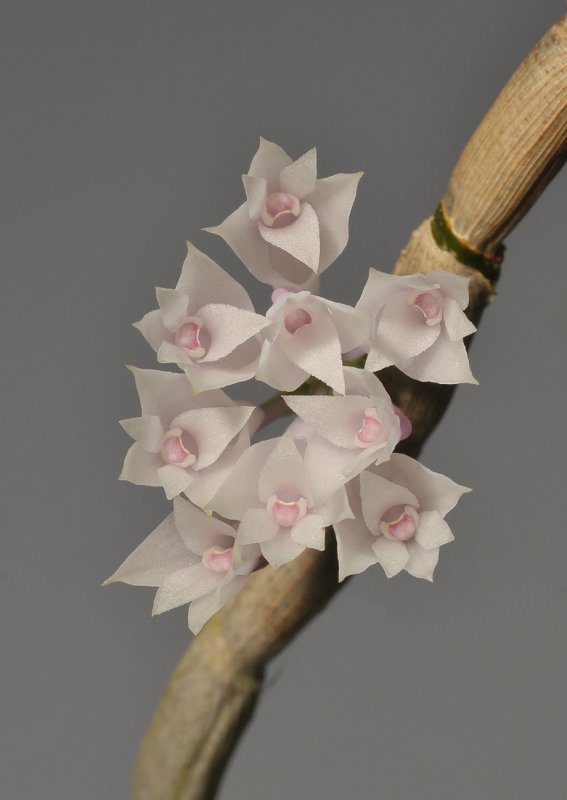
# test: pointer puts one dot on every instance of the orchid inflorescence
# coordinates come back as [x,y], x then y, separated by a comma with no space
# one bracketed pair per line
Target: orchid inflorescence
[237,505]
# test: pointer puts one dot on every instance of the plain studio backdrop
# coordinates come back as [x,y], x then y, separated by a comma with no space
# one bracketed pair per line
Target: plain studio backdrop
[127,127]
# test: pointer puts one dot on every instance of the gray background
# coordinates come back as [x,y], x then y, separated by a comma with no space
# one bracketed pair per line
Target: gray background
[127,127]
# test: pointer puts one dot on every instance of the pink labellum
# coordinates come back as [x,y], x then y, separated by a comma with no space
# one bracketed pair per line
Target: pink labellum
[277,293]
[188,337]
[218,560]
[400,525]
[430,304]
[280,210]
[173,450]
[371,431]
[286,514]
[297,319]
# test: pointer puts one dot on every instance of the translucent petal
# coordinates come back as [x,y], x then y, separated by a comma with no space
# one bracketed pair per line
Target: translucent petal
[336,508]
[173,479]
[213,429]
[152,329]
[185,585]
[392,556]
[140,467]
[332,200]
[444,362]
[281,550]
[240,490]
[336,419]
[165,394]
[401,332]
[173,306]
[148,431]
[309,532]
[352,325]
[283,470]
[238,366]
[256,192]
[199,530]
[315,348]
[203,281]
[257,526]
[378,496]
[155,558]
[354,549]
[299,178]
[456,323]
[300,238]
[228,327]
[268,162]
[455,286]
[432,531]
[421,562]
[275,369]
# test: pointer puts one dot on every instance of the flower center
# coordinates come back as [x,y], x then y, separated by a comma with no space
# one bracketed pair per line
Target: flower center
[430,304]
[188,337]
[217,559]
[400,523]
[285,513]
[280,210]
[175,451]
[370,432]
[296,319]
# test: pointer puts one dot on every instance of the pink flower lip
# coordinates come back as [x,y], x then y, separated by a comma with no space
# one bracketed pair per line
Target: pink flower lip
[218,560]
[430,304]
[296,319]
[400,523]
[285,513]
[277,293]
[280,209]
[173,450]
[188,337]
[371,431]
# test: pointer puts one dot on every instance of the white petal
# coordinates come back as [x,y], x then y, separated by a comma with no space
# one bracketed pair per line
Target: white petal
[299,178]
[207,482]
[421,562]
[257,526]
[173,306]
[165,394]
[238,366]
[240,490]
[141,467]
[147,430]
[203,281]
[401,332]
[228,327]
[434,491]
[275,369]
[256,191]
[198,530]
[354,549]
[381,287]
[392,556]
[284,469]
[433,531]
[336,508]
[309,532]
[337,419]
[332,200]
[152,329]
[201,610]
[352,325]
[315,348]
[290,273]
[155,558]
[185,585]
[300,238]
[456,323]
[169,353]
[444,362]
[455,286]
[327,468]
[378,496]
[173,479]
[213,429]
[268,162]
[281,550]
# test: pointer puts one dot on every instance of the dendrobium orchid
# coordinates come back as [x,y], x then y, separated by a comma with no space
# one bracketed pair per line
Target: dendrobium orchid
[206,325]
[183,443]
[335,465]
[190,556]
[399,510]
[418,325]
[270,493]
[292,226]
[306,337]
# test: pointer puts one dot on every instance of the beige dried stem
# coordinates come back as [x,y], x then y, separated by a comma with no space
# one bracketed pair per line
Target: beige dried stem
[515,152]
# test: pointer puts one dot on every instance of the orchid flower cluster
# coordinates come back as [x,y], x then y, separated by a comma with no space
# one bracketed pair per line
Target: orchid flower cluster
[238,504]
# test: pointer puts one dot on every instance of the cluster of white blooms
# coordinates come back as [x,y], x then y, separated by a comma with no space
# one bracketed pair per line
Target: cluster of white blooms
[249,504]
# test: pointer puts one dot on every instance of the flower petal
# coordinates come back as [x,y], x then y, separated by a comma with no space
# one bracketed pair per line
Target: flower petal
[141,467]
[173,306]
[392,556]
[203,281]
[152,329]
[155,558]
[336,508]
[309,532]
[198,530]
[185,585]
[275,369]
[173,479]
[256,190]
[433,531]
[284,469]
[240,490]
[456,323]
[421,562]
[401,332]
[332,200]
[444,362]
[257,526]
[165,394]
[213,429]
[315,348]
[299,178]
[336,419]
[354,549]
[238,366]
[228,327]
[378,496]
[147,430]
[282,549]
[300,238]
[352,325]
[268,162]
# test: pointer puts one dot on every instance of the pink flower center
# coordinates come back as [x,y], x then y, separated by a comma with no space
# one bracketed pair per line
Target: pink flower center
[285,513]
[431,306]
[400,523]
[280,209]
[296,319]
[371,431]
[188,337]
[174,450]
[277,293]
[217,559]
